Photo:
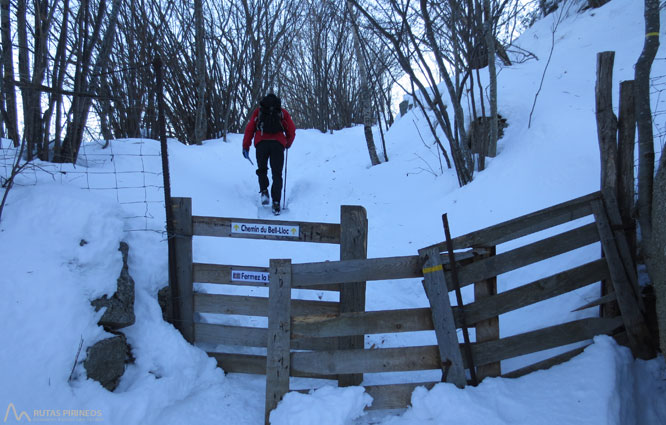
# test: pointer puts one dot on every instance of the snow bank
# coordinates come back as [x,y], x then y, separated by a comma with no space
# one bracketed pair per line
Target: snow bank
[60,251]
[584,390]
[323,406]
[602,385]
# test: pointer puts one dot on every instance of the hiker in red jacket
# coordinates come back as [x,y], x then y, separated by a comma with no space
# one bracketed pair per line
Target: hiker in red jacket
[273,132]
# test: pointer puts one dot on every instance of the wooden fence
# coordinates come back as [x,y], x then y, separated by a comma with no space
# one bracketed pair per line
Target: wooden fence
[350,234]
[311,338]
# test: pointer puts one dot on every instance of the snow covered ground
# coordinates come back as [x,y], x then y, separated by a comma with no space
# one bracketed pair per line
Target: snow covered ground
[60,250]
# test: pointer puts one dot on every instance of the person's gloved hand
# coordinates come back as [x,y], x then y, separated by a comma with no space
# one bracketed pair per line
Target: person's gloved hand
[246,153]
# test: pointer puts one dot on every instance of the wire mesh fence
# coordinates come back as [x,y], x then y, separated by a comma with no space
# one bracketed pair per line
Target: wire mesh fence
[127,170]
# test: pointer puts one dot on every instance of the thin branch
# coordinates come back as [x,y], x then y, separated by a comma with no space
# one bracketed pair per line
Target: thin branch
[556,24]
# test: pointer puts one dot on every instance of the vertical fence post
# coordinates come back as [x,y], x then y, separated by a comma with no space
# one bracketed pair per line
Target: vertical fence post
[171,310]
[278,362]
[181,290]
[437,290]
[626,127]
[487,330]
[640,340]
[606,120]
[607,135]
[353,246]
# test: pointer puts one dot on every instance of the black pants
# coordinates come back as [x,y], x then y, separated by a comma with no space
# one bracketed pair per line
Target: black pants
[274,151]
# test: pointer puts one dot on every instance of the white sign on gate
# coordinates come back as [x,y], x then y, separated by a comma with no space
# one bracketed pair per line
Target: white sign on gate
[248,276]
[265,229]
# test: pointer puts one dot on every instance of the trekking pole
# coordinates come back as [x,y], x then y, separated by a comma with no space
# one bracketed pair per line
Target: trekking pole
[284,195]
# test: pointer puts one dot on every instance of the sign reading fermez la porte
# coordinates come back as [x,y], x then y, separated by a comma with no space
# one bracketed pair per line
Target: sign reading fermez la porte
[249,276]
[265,229]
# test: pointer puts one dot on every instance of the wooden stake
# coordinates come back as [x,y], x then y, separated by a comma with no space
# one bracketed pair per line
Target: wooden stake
[456,285]
[278,361]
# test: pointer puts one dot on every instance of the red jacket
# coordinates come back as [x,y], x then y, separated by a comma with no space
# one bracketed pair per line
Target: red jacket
[286,138]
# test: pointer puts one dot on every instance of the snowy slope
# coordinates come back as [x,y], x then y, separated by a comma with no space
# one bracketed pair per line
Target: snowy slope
[49,276]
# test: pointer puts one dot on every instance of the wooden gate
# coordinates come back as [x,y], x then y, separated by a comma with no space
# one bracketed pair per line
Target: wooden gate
[318,339]
[350,234]
[475,263]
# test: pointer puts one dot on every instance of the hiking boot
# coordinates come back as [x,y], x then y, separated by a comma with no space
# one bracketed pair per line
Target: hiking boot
[265,200]
[276,207]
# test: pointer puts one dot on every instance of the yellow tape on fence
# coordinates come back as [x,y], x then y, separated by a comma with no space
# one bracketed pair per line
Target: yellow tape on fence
[432,269]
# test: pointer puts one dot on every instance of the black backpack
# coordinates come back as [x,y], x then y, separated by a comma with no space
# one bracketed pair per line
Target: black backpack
[269,120]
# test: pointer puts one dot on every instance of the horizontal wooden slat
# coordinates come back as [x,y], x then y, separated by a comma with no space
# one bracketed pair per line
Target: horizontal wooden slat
[543,339]
[427,357]
[252,364]
[599,301]
[230,335]
[217,273]
[545,364]
[526,224]
[526,255]
[221,274]
[231,304]
[256,306]
[253,337]
[366,361]
[324,364]
[534,292]
[367,323]
[240,363]
[420,319]
[308,232]
[350,271]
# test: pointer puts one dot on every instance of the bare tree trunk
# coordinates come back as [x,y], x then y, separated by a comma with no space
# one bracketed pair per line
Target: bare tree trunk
[201,119]
[459,151]
[644,118]
[490,43]
[88,82]
[43,19]
[9,92]
[656,260]
[58,73]
[24,77]
[366,101]
[30,96]
[651,203]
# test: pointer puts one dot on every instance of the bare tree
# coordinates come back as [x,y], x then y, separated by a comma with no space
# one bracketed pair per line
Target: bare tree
[318,80]
[30,81]
[409,48]
[490,44]
[644,117]
[88,73]
[366,105]
[200,42]
[651,203]
[10,115]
